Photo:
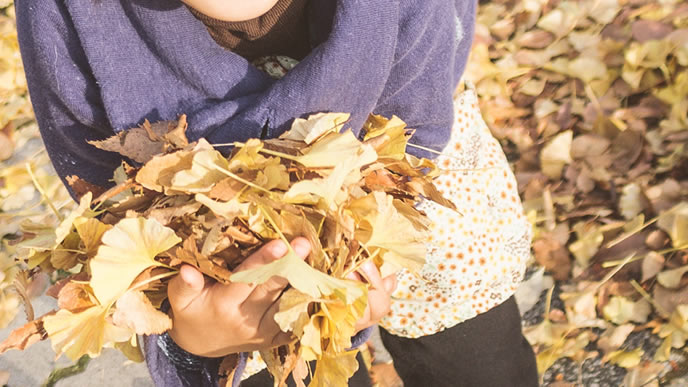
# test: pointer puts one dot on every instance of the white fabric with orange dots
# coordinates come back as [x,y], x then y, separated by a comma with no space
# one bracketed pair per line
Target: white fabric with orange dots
[477,256]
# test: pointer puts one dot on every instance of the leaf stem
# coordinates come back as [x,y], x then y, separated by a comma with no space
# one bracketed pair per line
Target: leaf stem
[40,189]
[646,296]
[237,178]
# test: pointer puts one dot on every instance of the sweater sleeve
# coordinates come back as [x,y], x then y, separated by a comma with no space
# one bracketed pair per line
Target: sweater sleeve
[66,99]
[64,93]
[433,46]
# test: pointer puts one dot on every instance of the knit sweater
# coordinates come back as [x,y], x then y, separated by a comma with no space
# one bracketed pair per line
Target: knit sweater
[95,68]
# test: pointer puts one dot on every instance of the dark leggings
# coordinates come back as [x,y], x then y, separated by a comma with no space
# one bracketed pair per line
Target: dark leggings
[488,350]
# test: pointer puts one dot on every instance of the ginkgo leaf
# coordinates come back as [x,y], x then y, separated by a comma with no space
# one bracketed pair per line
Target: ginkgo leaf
[302,277]
[77,334]
[672,278]
[403,244]
[315,126]
[293,311]
[228,210]
[556,154]
[128,248]
[621,310]
[203,173]
[327,190]
[387,136]
[335,370]
[135,312]
[90,231]
[157,174]
[47,238]
[626,359]
[335,148]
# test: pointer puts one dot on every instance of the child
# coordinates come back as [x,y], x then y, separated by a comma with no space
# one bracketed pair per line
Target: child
[96,67]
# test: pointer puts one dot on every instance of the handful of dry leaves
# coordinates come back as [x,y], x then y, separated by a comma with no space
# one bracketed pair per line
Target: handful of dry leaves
[187,203]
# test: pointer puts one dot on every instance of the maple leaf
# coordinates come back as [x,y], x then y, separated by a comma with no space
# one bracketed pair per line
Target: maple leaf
[135,312]
[128,248]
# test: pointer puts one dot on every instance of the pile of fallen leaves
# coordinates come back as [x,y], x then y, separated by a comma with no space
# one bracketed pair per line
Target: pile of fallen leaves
[188,204]
[590,100]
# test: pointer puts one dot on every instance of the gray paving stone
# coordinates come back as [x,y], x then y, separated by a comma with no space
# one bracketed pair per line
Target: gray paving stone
[31,367]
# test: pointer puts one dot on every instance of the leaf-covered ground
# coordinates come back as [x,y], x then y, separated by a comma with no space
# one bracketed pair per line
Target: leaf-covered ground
[590,101]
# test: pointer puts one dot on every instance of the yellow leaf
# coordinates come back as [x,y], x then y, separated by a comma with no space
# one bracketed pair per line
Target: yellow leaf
[675,223]
[302,277]
[388,136]
[335,371]
[90,231]
[157,174]
[587,68]
[590,239]
[556,154]
[626,359]
[328,191]
[128,249]
[317,125]
[203,174]
[293,311]
[135,312]
[621,310]
[77,334]
[334,148]
[672,278]
[228,210]
[403,245]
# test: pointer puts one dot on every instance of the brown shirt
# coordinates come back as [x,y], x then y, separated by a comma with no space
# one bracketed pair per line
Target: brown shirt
[283,30]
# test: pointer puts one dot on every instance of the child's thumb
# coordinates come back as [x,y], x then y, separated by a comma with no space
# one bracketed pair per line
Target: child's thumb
[185,287]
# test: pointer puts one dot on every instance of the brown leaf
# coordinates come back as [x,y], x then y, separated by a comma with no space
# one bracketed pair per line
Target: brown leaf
[142,143]
[669,299]
[81,187]
[554,257]
[75,297]
[535,39]
[22,338]
[135,311]
[281,361]
[644,30]
[189,253]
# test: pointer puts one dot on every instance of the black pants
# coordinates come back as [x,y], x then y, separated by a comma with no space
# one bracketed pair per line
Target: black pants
[488,350]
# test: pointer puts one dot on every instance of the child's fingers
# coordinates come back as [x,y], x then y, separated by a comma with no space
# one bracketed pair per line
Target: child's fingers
[389,283]
[185,287]
[372,275]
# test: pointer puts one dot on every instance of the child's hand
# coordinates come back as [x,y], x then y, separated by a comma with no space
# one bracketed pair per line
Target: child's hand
[213,320]
[379,294]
